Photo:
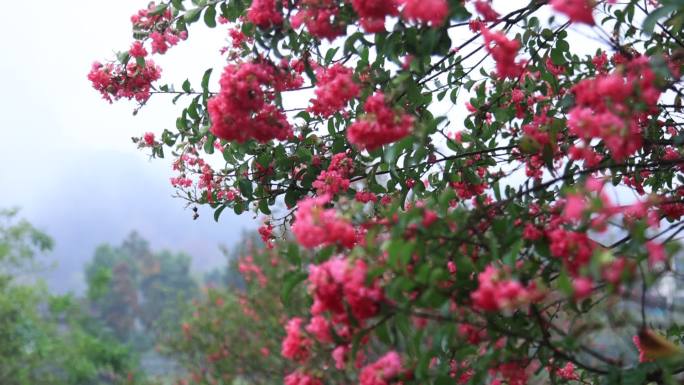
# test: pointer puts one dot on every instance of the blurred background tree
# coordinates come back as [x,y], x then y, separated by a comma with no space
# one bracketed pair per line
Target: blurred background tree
[47,339]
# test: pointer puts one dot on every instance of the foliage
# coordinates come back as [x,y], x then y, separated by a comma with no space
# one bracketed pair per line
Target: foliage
[234,331]
[130,285]
[47,339]
[475,195]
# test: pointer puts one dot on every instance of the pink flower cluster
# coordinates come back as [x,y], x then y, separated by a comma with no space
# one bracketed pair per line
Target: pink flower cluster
[579,11]
[336,177]
[335,88]
[320,18]
[495,292]
[158,27]
[504,52]
[431,12]
[575,248]
[383,371]
[116,81]
[263,14]
[162,41]
[380,125]
[373,13]
[137,50]
[249,269]
[510,373]
[609,107]
[315,225]
[297,378]
[244,110]
[340,280]
[568,372]
[296,346]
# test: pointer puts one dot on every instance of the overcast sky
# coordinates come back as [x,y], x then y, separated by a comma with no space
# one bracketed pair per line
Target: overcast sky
[67,158]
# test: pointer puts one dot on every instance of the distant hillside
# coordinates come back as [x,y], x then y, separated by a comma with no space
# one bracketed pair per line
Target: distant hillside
[81,203]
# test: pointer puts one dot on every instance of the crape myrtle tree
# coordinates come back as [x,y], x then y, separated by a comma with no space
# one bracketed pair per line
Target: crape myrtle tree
[476,192]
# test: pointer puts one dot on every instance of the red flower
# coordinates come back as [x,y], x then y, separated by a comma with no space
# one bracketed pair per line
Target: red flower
[374,12]
[315,225]
[431,12]
[504,52]
[243,109]
[263,13]
[382,371]
[335,88]
[320,18]
[380,125]
[295,345]
[577,10]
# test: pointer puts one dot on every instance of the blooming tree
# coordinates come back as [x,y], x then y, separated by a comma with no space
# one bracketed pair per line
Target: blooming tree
[477,191]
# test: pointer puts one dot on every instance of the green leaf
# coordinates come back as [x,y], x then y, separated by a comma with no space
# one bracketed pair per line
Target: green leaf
[159,10]
[218,211]
[245,188]
[290,282]
[205,79]
[210,16]
[652,19]
[192,15]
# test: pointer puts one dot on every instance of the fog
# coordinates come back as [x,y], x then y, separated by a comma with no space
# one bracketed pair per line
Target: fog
[68,161]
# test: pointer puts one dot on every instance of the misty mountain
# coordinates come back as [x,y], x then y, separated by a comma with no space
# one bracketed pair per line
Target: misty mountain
[87,199]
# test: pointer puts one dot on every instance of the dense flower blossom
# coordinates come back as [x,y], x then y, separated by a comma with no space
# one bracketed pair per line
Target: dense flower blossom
[159,27]
[577,10]
[295,345]
[504,52]
[315,225]
[495,293]
[510,373]
[383,371]
[243,109]
[373,13]
[573,247]
[335,87]
[607,108]
[319,327]
[567,372]
[263,13]
[116,81]
[146,18]
[297,378]
[137,50]
[621,137]
[340,280]
[365,197]
[431,12]
[320,18]
[381,124]
[249,269]
[336,178]
[161,42]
